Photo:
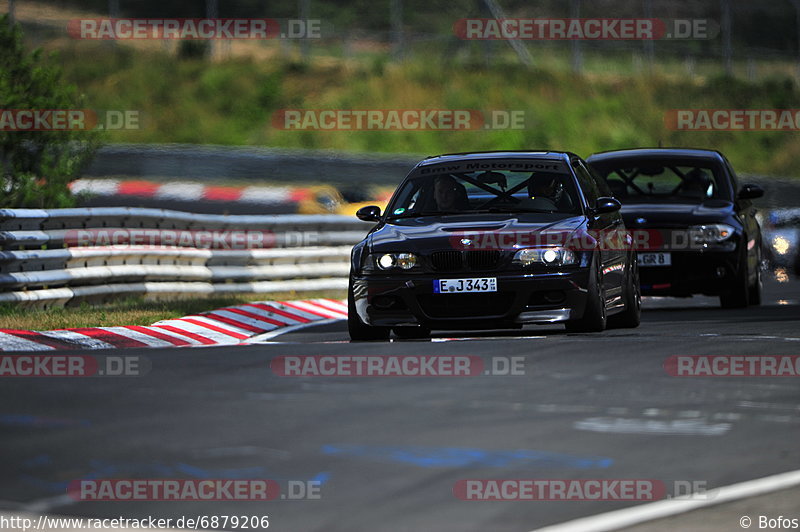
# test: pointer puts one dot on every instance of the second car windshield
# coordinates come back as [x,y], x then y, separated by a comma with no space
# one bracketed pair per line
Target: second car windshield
[684,181]
[487,191]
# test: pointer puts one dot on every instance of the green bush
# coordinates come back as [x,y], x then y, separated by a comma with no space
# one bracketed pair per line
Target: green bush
[232,102]
[37,165]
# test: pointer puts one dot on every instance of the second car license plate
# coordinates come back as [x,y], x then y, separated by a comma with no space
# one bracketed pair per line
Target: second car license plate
[455,286]
[655,259]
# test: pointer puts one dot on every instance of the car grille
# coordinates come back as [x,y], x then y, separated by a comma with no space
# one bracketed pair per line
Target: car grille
[456,261]
[447,261]
[483,259]
[466,305]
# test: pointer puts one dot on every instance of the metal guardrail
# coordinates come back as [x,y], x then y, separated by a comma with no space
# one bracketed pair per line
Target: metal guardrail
[103,217]
[61,256]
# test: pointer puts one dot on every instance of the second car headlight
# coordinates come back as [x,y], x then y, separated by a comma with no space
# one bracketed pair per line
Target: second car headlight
[711,233]
[555,256]
[781,245]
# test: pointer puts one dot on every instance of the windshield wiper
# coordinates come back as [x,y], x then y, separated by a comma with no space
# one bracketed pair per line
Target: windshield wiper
[442,213]
[424,213]
[490,210]
[511,210]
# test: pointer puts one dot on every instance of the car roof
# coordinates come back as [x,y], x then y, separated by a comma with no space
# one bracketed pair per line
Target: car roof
[656,152]
[505,154]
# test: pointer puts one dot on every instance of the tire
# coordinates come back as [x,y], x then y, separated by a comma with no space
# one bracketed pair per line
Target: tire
[594,316]
[359,331]
[739,294]
[631,317]
[754,293]
[412,333]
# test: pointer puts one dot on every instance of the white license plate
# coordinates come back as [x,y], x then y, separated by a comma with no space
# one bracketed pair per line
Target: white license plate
[460,286]
[655,259]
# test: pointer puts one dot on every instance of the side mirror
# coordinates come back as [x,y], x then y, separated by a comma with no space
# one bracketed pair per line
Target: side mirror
[605,205]
[750,192]
[370,213]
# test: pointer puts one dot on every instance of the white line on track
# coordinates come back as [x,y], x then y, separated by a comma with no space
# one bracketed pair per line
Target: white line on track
[48,503]
[657,510]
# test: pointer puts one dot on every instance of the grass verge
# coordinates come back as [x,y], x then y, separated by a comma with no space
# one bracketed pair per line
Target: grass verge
[615,102]
[234,102]
[134,311]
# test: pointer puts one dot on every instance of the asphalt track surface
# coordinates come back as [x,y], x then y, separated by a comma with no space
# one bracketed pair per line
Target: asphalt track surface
[388,451]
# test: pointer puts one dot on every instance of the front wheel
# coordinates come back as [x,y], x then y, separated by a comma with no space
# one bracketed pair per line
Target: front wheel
[738,296]
[360,331]
[632,315]
[594,315]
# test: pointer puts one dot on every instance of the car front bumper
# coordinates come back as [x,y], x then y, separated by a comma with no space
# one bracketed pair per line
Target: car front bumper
[692,272]
[404,300]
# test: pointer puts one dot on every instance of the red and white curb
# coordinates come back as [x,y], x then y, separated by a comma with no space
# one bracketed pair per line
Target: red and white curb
[190,191]
[225,326]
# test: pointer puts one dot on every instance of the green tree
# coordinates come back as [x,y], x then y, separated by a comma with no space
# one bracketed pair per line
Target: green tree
[37,166]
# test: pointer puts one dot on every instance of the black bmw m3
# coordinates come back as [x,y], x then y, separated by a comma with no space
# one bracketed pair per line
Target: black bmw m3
[709,241]
[494,240]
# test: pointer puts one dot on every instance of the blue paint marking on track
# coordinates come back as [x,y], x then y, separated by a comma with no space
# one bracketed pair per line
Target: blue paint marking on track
[463,457]
[100,469]
[321,477]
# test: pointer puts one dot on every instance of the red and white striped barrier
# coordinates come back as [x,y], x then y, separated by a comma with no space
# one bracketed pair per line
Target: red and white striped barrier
[190,191]
[225,326]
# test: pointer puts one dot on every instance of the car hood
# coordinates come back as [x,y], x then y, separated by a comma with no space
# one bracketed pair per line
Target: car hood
[665,215]
[439,233]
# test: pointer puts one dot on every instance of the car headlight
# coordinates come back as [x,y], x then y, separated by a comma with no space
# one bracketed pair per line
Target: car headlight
[781,245]
[386,261]
[710,233]
[391,261]
[555,256]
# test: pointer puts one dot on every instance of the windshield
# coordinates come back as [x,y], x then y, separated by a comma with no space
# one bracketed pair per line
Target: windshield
[685,181]
[467,190]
